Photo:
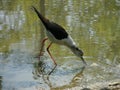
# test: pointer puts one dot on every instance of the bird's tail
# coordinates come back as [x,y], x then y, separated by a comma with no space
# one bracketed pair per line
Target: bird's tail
[43,19]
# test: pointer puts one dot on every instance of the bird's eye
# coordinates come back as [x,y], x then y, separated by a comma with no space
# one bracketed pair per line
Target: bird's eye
[76,48]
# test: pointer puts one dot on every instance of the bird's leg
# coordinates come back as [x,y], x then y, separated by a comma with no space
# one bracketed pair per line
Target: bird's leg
[51,57]
[43,41]
[84,62]
[50,53]
[52,70]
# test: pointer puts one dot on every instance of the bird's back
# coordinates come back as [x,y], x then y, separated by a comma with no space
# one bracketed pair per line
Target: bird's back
[55,29]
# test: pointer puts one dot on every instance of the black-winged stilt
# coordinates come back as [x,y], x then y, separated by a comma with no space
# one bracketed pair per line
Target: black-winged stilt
[57,34]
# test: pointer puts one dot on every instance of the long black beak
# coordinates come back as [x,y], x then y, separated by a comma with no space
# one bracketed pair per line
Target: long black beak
[83,60]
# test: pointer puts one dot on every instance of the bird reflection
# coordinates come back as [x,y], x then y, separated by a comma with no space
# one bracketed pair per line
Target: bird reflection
[39,68]
[73,82]
[78,75]
[41,72]
[42,69]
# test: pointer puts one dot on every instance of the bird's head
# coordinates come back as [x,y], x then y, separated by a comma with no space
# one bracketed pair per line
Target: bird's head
[78,53]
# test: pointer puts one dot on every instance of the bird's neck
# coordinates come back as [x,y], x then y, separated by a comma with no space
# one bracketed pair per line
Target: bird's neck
[72,48]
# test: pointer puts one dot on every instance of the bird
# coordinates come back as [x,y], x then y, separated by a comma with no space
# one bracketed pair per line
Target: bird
[58,35]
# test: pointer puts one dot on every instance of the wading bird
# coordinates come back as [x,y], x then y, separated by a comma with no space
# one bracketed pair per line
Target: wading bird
[57,34]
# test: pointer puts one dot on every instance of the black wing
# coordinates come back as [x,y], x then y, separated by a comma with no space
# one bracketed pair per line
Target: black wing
[57,30]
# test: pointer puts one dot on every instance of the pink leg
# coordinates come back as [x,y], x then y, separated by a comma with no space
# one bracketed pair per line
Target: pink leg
[43,41]
[52,58]
[50,54]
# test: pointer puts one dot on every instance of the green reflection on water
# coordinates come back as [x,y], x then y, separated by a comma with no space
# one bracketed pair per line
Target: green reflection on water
[94,25]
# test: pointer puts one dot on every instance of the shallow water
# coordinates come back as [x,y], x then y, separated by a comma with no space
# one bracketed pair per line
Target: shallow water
[94,26]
